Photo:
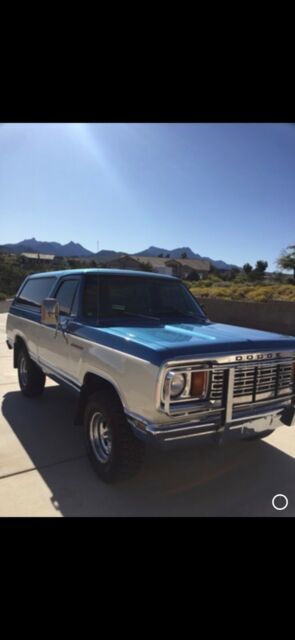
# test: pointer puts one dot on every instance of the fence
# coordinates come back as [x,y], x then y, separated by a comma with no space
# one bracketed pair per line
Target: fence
[269,316]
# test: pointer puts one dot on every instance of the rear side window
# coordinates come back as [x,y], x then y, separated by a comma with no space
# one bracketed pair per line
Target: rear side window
[65,296]
[35,290]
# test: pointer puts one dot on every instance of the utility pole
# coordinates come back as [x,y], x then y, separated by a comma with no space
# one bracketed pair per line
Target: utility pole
[97,245]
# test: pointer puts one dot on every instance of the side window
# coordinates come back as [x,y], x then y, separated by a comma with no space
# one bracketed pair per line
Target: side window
[65,295]
[35,290]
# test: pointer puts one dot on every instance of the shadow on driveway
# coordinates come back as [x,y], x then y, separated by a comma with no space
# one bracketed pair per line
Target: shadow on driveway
[238,479]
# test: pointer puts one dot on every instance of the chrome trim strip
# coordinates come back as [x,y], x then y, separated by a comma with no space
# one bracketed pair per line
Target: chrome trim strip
[229,398]
[240,426]
[190,435]
[279,400]
[57,373]
[180,428]
[253,417]
[59,379]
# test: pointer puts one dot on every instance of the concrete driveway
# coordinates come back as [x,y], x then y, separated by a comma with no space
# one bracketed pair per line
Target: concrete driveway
[44,470]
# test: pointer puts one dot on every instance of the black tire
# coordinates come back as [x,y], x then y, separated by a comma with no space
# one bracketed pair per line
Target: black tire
[115,453]
[31,378]
[261,435]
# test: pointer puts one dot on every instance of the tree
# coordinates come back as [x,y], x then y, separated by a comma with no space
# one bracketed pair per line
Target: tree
[277,276]
[258,272]
[193,276]
[168,255]
[213,270]
[247,268]
[232,273]
[160,255]
[146,266]
[183,256]
[286,260]
[261,266]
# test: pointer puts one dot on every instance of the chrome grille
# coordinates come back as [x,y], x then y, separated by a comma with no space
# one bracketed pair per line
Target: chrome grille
[262,381]
[217,384]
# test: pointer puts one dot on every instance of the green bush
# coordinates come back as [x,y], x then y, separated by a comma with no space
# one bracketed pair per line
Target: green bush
[3,296]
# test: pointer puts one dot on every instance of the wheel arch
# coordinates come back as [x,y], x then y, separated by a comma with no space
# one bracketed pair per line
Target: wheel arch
[94,382]
[19,342]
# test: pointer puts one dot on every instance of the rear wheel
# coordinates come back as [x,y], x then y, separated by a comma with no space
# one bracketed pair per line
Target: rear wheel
[114,452]
[31,378]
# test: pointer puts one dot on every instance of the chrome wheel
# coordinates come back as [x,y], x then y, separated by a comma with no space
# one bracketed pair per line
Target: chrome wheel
[23,371]
[100,437]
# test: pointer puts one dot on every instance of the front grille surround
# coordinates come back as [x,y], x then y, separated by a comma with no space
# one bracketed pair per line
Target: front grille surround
[235,381]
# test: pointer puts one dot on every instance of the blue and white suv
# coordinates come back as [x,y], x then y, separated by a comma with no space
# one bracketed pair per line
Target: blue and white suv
[146,363]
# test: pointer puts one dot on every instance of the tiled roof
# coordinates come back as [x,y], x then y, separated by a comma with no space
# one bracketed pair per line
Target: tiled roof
[197,265]
[155,262]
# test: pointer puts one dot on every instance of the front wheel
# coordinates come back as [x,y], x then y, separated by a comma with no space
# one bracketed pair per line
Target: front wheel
[31,378]
[114,452]
[261,435]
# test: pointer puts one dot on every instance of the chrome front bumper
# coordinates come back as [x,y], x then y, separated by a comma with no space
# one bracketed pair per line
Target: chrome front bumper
[196,431]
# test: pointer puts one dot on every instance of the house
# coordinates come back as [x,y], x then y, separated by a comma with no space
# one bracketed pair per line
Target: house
[183,267]
[123,262]
[158,264]
[37,257]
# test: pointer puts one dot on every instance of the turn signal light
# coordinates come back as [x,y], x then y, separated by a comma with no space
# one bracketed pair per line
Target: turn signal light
[199,384]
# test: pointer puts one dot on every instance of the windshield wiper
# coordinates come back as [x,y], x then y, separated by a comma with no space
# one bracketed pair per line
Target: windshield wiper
[179,315]
[141,315]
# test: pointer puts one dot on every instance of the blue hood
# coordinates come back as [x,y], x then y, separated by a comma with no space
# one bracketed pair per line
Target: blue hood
[158,343]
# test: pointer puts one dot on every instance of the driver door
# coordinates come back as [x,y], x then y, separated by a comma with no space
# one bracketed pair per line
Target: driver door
[53,352]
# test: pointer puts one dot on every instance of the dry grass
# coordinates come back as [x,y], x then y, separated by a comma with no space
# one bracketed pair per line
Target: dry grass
[247,292]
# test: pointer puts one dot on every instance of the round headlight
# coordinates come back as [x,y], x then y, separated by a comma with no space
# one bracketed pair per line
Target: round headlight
[177,384]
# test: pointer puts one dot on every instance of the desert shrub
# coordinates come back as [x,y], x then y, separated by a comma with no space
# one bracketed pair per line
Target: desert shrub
[212,277]
[241,277]
[200,293]
[258,295]
[188,284]
[247,292]
[3,296]
[205,283]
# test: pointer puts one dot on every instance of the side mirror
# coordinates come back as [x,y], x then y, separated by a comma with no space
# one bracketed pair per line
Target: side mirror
[50,311]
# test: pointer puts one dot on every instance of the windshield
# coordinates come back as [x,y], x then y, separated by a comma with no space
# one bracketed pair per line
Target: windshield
[139,299]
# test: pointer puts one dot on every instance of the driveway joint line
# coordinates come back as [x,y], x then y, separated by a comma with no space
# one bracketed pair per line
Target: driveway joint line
[45,466]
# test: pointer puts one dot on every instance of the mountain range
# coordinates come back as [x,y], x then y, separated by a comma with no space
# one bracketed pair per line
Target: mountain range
[177,253]
[69,250]
[76,250]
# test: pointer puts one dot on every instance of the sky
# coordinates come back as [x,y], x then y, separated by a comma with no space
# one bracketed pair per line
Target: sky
[225,190]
